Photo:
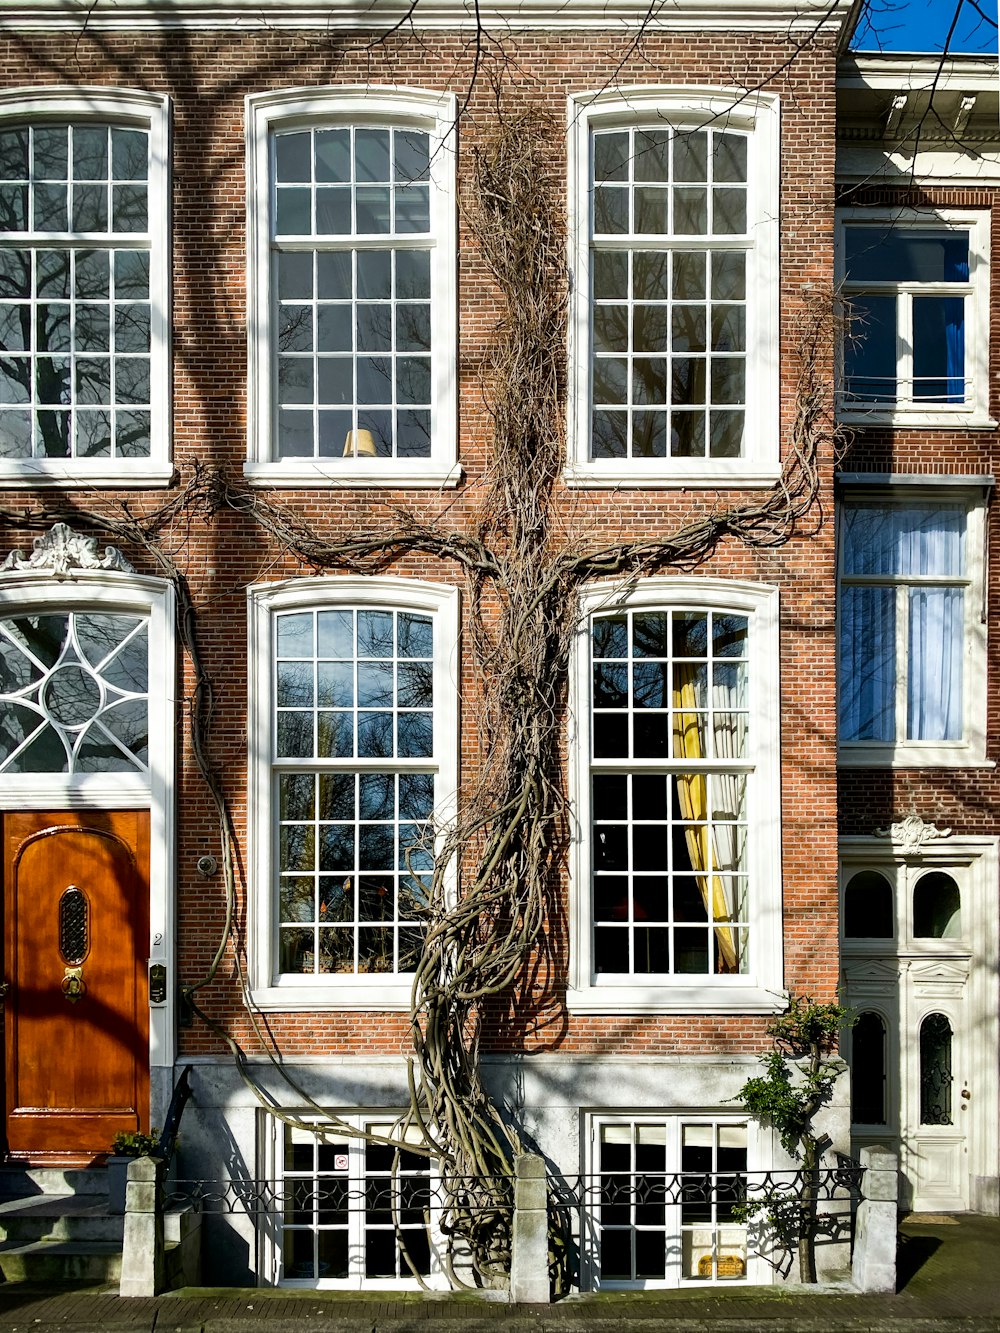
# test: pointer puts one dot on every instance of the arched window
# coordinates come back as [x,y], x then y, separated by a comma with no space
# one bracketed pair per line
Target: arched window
[868,908]
[937,908]
[868,1070]
[935,1070]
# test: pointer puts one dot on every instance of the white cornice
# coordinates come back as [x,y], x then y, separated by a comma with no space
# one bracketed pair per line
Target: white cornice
[779,16]
[964,73]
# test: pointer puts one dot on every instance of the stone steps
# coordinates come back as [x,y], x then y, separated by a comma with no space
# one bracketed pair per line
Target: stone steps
[55,1226]
[60,1217]
[26,1181]
[62,1261]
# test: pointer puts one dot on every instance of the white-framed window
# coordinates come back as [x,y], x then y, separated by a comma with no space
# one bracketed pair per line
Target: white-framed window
[674,323]
[912,639]
[351,226]
[662,1194]
[350,1215]
[353,708]
[916,343]
[84,288]
[676,865]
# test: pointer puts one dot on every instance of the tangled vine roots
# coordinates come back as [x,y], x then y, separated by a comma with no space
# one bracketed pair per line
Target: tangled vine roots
[492,924]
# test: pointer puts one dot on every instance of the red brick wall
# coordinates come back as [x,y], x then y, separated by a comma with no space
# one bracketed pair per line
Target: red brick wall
[207,76]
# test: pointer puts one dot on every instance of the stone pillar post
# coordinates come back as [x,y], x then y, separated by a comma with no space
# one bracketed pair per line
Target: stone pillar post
[873,1265]
[529,1260]
[142,1248]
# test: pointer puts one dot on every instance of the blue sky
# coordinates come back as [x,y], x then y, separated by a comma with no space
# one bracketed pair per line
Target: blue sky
[922,25]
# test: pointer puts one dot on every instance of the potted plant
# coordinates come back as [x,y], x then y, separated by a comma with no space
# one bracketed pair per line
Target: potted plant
[126,1145]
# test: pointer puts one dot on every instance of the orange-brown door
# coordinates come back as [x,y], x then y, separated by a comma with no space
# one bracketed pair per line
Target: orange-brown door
[76,1015]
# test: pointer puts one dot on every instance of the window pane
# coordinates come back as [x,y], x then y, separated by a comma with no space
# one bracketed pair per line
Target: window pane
[937,908]
[669,847]
[868,907]
[935,1070]
[939,349]
[935,706]
[870,350]
[346,682]
[81,685]
[903,539]
[867,664]
[905,254]
[359,180]
[868,1070]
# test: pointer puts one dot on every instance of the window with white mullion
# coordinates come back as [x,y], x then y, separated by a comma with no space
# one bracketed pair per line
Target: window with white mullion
[666,1200]
[903,621]
[354,704]
[669,859]
[352,250]
[914,334]
[355,1213]
[668,293]
[76,315]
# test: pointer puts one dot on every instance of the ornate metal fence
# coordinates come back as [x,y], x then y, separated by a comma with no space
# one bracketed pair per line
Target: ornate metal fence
[381,1228]
[658,1227]
[609,1227]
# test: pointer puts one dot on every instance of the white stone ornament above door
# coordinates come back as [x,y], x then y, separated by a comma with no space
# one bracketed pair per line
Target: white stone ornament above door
[61,550]
[911,833]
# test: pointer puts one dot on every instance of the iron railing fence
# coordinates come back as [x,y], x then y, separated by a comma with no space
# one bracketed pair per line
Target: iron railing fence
[842,1182]
[297,1197]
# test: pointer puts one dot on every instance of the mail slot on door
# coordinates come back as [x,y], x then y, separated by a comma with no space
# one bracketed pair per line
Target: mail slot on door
[157,983]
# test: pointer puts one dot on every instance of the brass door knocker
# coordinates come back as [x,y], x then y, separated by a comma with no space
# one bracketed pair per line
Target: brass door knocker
[73,986]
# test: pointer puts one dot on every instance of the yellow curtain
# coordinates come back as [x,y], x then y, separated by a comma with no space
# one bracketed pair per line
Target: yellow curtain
[692,797]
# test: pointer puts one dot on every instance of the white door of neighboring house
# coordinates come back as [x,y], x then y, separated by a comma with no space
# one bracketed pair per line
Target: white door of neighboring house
[918,932]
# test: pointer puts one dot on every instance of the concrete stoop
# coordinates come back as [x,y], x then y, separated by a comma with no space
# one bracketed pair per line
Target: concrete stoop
[55,1227]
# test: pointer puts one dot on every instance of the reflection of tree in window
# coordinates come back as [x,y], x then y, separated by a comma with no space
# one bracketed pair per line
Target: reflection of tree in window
[74,322]
[355,845]
[668,322]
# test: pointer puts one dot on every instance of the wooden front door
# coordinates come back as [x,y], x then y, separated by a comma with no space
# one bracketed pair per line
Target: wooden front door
[76,1012]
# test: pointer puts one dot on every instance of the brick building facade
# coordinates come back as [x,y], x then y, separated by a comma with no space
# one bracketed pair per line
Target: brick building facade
[250,317]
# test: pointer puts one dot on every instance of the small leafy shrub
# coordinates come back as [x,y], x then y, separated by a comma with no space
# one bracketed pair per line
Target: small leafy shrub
[133,1143]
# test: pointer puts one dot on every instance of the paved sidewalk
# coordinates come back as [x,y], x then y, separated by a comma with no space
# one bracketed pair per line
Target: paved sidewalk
[949,1278]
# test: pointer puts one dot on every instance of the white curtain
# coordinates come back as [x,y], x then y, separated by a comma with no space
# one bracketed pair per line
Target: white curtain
[902,542]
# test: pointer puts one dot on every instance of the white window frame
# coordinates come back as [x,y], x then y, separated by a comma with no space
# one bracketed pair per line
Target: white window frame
[758,1271]
[757,113]
[384,991]
[974,413]
[381,1121]
[150,112]
[904,489]
[760,989]
[306,108]
[26,593]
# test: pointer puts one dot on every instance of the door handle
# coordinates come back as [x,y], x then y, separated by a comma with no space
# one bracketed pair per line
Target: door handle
[965,1094]
[4,989]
